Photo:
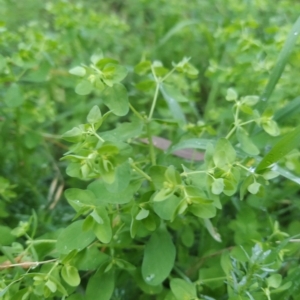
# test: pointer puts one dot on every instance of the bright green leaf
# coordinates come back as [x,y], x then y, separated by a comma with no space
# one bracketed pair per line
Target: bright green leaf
[78,71]
[84,87]
[182,289]
[70,275]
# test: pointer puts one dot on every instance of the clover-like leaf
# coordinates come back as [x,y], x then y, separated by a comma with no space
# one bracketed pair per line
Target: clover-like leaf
[84,87]
[217,186]
[94,115]
[78,71]
[231,95]
[70,275]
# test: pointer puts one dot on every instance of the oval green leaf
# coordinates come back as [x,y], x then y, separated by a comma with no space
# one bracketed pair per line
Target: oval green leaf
[159,258]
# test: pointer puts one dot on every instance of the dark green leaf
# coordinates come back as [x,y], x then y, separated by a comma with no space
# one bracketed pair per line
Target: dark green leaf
[100,286]
[116,98]
[159,258]
[73,237]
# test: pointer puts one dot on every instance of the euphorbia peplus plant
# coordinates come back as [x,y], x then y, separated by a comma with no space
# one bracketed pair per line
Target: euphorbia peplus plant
[128,216]
[148,223]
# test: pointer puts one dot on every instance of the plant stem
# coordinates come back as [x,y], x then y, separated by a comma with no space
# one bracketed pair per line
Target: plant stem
[151,146]
[98,136]
[154,101]
[141,172]
[136,112]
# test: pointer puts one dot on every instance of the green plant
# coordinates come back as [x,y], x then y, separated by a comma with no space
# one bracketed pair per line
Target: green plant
[148,224]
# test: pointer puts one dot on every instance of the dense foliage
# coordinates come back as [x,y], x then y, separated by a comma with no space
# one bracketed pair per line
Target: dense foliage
[149,150]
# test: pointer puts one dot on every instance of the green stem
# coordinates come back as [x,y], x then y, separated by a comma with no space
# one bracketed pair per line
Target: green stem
[98,136]
[167,75]
[41,242]
[180,273]
[151,146]
[141,172]
[154,101]
[136,112]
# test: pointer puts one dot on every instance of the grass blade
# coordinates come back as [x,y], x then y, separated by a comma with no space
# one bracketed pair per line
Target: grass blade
[289,142]
[282,60]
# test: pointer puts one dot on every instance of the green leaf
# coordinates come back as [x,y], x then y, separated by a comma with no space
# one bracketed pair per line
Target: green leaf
[78,71]
[289,142]
[250,100]
[204,211]
[274,281]
[116,99]
[124,131]
[174,93]
[84,87]
[191,144]
[70,275]
[182,289]
[157,174]
[187,236]
[159,257]
[143,214]
[146,85]
[281,61]
[253,188]
[231,95]
[122,179]
[143,67]
[94,115]
[164,194]
[5,232]
[114,72]
[100,286]
[89,259]
[97,56]
[13,96]
[246,143]
[217,186]
[73,237]
[74,135]
[78,198]
[146,288]
[174,107]
[172,175]
[103,231]
[224,153]
[98,187]
[166,209]
[271,127]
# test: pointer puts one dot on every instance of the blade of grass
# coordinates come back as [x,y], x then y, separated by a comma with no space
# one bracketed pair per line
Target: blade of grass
[289,142]
[281,62]
[174,30]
